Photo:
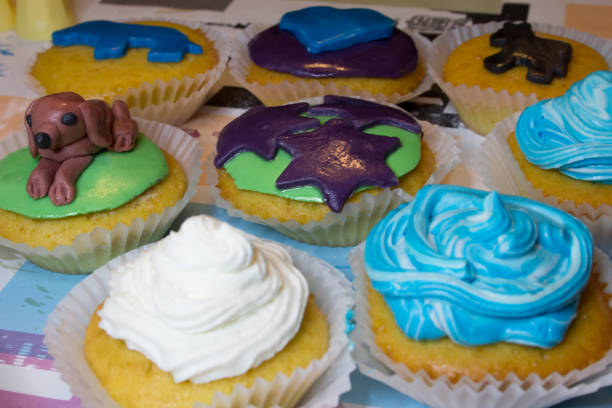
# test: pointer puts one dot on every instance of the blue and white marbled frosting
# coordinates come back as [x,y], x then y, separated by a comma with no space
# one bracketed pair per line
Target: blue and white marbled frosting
[479,267]
[572,133]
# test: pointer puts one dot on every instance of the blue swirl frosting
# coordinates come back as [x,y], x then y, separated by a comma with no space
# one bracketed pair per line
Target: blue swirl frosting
[479,267]
[572,133]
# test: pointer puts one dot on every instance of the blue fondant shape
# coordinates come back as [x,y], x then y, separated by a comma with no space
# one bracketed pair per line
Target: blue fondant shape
[324,28]
[111,40]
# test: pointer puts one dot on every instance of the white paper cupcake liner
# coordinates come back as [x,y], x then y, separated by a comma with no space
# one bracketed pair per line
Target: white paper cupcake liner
[352,224]
[509,392]
[173,101]
[327,378]
[500,171]
[278,94]
[91,250]
[480,109]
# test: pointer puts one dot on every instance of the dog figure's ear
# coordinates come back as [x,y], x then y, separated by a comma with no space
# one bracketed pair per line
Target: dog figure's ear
[27,121]
[98,120]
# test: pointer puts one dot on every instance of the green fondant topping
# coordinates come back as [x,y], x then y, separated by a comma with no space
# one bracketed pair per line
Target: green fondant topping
[111,180]
[251,172]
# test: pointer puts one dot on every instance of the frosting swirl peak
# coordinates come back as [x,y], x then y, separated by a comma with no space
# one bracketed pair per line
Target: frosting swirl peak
[207,302]
[572,133]
[479,267]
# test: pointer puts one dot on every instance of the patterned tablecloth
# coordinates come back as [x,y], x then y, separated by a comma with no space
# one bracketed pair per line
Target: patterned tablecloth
[28,293]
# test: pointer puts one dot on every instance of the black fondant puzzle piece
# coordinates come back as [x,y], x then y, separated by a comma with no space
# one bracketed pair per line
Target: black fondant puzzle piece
[545,59]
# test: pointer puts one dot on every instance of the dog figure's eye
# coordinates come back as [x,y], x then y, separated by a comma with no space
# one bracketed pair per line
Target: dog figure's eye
[69,119]
[29,120]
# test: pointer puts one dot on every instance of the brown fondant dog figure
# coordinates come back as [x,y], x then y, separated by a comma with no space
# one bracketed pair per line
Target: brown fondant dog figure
[66,131]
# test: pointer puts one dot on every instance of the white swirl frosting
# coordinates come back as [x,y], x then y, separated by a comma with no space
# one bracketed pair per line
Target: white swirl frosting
[206,303]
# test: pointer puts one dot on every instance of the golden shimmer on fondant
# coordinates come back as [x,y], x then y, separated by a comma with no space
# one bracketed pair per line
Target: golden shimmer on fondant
[554,183]
[587,340]
[134,381]
[54,232]
[465,66]
[75,69]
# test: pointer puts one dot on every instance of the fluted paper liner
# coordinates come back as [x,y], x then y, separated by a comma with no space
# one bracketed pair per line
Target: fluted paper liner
[91,250]
[509,392]
[327,378]
[500,171]
[173,101]
[480,109]
[352,224]
[278,94]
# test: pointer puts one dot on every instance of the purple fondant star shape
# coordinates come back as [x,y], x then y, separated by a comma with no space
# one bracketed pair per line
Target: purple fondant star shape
[337,158]
[257,131]
[364,114]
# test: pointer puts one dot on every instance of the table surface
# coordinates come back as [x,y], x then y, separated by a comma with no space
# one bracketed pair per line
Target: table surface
[28,293]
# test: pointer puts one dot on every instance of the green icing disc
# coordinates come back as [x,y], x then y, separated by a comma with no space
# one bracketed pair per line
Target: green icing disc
[111,180]
[252,172]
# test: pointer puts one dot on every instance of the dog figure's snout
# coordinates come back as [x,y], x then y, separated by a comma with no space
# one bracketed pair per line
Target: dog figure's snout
[42,140]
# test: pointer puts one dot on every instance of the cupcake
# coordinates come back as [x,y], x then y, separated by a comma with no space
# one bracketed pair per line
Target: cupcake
[209,314]
[75,187]
[560,151]
[326,173]
[491,70]
[466,296]
[323,50]
[166,80]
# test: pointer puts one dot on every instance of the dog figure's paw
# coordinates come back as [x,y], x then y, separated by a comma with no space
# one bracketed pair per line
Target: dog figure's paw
[41,178]
[124,127]
[38,185]
[61,192]
[124,142]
